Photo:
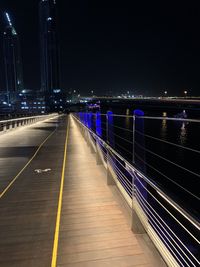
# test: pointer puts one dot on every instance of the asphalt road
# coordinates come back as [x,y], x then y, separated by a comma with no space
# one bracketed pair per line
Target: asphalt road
[29,198]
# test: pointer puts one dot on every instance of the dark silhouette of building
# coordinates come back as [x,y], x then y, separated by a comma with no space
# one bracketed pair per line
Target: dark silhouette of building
[49,51]
[12,61]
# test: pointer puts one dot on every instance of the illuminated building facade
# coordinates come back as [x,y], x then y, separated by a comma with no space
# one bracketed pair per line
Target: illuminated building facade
[12,61]
[49,51]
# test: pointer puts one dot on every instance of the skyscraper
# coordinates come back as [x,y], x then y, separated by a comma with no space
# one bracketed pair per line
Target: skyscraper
[49,52]
[12,61]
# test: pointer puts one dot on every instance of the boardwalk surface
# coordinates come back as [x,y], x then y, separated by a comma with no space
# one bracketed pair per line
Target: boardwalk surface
[28,209]
[93,228]
[94,231]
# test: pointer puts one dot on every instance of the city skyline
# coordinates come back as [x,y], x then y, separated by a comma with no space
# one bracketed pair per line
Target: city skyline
[111,47]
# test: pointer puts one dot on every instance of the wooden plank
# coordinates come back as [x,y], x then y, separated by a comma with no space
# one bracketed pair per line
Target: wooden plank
[94,231]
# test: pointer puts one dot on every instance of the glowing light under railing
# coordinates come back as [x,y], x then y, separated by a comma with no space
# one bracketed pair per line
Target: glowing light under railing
[163,224]
[169,212]
[179,210]
[166,235]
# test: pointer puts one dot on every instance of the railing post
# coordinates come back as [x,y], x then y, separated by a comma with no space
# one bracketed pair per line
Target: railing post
[87,137]
[90,144]
[109,129]
[82,129]
[4,128]
[98,157]
[136,226]
[133,156]
[110,141]
[110,179]
[99,133]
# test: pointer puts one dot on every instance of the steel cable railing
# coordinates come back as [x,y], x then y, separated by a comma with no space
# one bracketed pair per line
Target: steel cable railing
[165,176]
[158,139]
[167,223]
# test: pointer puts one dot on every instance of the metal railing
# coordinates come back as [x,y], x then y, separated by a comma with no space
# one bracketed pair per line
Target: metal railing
[7,125]
[174,231]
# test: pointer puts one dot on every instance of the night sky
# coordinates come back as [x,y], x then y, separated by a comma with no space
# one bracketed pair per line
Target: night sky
[107,45]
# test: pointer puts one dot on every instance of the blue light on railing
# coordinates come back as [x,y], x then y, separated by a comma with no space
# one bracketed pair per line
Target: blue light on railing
[139,153]
[110,130]
[98,124]
[89,120]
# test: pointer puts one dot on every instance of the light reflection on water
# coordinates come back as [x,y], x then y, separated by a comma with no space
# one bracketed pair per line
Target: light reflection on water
[183,134]
[163,131]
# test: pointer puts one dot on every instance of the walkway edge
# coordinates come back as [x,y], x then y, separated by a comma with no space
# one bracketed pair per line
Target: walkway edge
[30,160]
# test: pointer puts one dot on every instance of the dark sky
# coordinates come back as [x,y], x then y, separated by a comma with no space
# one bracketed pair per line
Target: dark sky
[113,45]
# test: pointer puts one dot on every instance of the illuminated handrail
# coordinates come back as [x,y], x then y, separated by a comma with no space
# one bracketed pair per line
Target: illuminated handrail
[157,228]
[144,177]
[6,125]
[27,118]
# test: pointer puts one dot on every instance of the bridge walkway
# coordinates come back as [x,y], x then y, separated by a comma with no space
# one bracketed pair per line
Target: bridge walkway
[94,229]
[43,224]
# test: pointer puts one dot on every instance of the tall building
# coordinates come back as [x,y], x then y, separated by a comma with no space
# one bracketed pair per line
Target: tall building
[49,51]
[12,61]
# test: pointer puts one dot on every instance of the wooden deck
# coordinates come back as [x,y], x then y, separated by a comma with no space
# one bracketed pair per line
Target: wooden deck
[94,230]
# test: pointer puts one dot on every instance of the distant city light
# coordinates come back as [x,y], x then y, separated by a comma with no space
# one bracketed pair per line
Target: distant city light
[8,18]
[14,32]
[56,91]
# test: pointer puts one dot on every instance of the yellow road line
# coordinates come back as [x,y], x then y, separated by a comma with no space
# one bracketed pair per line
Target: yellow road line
[57,228]
[15,178]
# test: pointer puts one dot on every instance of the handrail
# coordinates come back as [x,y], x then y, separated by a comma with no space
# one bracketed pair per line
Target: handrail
[186,215]
[172,229]
[26,118]
[6,125]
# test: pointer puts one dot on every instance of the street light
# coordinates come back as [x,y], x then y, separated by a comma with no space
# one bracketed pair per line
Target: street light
[165,92]
[185,93]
